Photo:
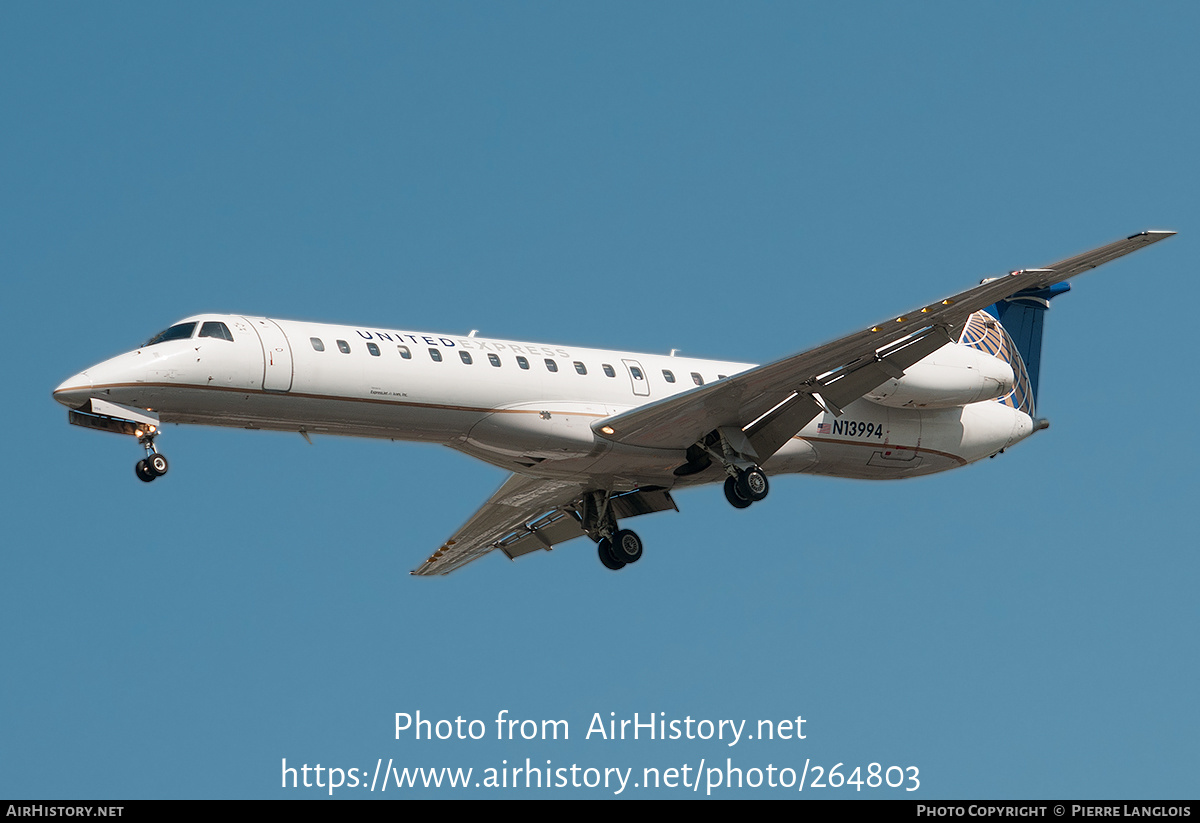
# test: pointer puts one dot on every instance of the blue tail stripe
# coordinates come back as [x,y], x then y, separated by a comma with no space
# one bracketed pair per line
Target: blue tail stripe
[1023,315]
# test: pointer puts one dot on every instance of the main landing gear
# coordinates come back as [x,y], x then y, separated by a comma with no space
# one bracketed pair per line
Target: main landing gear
[154,465]
[732,450]
[623,548]
[617,547]
[746,486]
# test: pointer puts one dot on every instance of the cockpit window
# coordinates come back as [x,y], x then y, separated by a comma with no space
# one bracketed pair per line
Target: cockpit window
[214,329]
[181,331]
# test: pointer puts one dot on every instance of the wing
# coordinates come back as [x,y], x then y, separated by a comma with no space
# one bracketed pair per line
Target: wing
[770,403]
[527,514]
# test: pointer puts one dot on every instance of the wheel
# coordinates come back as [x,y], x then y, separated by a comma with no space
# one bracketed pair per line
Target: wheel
[143,472]
[604,549]
[734,496]
[627,547]
[157,464]
[752,484]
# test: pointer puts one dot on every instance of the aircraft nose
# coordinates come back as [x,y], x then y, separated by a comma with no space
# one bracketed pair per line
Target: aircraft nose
[74,391]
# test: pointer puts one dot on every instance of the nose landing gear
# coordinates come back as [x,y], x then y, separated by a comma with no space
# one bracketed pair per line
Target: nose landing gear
[154,465]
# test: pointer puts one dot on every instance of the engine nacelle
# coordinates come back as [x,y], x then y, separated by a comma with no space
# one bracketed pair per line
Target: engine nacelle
[954,375]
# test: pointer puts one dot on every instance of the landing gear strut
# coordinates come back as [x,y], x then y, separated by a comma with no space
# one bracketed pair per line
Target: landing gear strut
[746,483]
[154,465]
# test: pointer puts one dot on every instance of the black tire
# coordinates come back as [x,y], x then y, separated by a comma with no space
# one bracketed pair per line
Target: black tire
[752,484]
[627,547]
[734,496]
[143,472]
[156,464]
[604,549]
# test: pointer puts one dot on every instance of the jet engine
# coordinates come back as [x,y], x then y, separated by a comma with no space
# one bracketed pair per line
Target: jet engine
[954,375]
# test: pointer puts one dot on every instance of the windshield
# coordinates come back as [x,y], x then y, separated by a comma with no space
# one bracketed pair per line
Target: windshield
[182,331]
[215,329]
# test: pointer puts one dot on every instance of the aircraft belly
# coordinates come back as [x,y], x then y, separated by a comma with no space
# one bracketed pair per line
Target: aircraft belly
[879,462]
[608,465]
[540,431]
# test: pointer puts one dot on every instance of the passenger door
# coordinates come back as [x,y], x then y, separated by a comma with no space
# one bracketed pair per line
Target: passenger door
[637,376]
[277,354]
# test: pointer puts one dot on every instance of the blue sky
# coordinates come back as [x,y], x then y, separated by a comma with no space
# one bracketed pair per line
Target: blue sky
[735,181]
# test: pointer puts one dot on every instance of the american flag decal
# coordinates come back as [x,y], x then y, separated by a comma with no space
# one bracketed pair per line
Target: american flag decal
[824,428]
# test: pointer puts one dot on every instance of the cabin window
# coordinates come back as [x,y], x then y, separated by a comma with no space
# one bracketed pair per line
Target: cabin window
[373,349]
[580,368]
[637,373]
[435,355]
[669,376]
[404,352]
[522,362]
[609,370]
[494,359]
[465,356]
[697,379]
[343,347]
[181,331]
[216,329]
[551,365]
[317,344]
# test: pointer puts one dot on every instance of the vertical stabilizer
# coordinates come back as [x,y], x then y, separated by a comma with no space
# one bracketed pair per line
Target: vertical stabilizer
[1023,316]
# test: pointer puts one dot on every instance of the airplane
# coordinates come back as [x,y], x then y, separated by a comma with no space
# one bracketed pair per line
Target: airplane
[594,437]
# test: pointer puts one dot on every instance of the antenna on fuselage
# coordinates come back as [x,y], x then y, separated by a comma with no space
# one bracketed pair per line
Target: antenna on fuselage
[472,334]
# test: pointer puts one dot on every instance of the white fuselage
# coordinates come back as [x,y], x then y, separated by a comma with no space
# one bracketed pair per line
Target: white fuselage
[532,417]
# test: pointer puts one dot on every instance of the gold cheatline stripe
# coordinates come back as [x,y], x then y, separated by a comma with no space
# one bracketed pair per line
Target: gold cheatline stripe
[336,397]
